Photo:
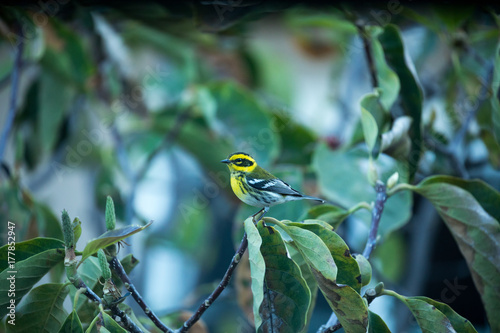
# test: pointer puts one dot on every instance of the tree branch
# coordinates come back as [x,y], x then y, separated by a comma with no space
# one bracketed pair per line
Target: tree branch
[367,45]
[222,285]
[14,78]
[73,276]
[377,210]
[117,267]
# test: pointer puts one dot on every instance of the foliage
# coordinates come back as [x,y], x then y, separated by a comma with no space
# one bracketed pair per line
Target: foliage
[112,90]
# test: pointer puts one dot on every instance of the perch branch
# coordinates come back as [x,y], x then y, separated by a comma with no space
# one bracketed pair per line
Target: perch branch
[117,267]
[222,285]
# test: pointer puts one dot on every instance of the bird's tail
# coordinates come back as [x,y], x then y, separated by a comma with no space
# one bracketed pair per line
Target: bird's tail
[313,198]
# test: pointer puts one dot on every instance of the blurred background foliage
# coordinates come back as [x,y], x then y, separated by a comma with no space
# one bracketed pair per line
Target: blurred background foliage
[142,101]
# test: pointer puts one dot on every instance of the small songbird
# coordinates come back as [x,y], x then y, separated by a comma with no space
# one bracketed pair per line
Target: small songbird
[257,187]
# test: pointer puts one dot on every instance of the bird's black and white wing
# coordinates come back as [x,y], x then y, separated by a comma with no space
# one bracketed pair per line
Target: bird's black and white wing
[272,185]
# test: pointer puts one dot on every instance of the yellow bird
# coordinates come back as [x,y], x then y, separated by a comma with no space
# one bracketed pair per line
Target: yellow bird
[257,187]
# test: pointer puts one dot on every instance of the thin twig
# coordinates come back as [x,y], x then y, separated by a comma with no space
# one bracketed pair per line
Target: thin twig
[222,285]
[377,210]
[117,267]
[13,99]
[367,45]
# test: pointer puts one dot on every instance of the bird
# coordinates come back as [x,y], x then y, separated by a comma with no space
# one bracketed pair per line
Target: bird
[257,187]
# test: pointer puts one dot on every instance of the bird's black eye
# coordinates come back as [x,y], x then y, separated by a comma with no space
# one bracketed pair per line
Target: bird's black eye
[238,160]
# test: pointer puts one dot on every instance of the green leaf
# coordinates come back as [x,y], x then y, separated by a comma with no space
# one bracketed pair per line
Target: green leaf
[396,142]
[72,324]
[390,257]
[110,237]
[77,229]
[333,215]
[29,248]
[486,196]
[348,269]
[478,237]
[257,268]
[365,269]
[111,325]
[314,251]
[411,92]
[308,277]
[370,128]
[376,324]
[388,81]
[342,179]
[347,304]
[460,324]
[28,272]
[286,294]
[42,309]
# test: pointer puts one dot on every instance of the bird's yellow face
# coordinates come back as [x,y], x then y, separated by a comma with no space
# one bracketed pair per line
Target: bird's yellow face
[240,162]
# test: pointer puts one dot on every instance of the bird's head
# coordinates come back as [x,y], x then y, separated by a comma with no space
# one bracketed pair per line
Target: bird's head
[240,162]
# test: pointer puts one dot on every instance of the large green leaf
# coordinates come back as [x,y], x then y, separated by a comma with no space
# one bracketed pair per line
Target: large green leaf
[286,294]
[308,277]
[460,324]
[342,179]
[411,93]
[348,269]
[42,309]
[477,234]
[26,249]
[110,237]
[27,272]
[433,316]
[388,80]
[72,324]
[485,195]
[347,304]
[314,251]
[257,268]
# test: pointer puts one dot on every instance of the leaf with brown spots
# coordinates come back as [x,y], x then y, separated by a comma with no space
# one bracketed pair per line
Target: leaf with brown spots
[476,232]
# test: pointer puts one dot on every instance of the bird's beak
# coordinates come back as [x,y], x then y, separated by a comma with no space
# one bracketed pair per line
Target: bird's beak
[226,161]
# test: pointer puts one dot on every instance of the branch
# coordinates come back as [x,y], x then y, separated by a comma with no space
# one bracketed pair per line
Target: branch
[368,51]
[222,285]
[13,99]
[117,267]
[377,210]
[73,276]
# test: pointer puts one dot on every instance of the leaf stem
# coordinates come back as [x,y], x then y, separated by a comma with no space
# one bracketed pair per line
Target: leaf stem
[399,187]
[222,285]
[358,206]
[380,188]
[117,267]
